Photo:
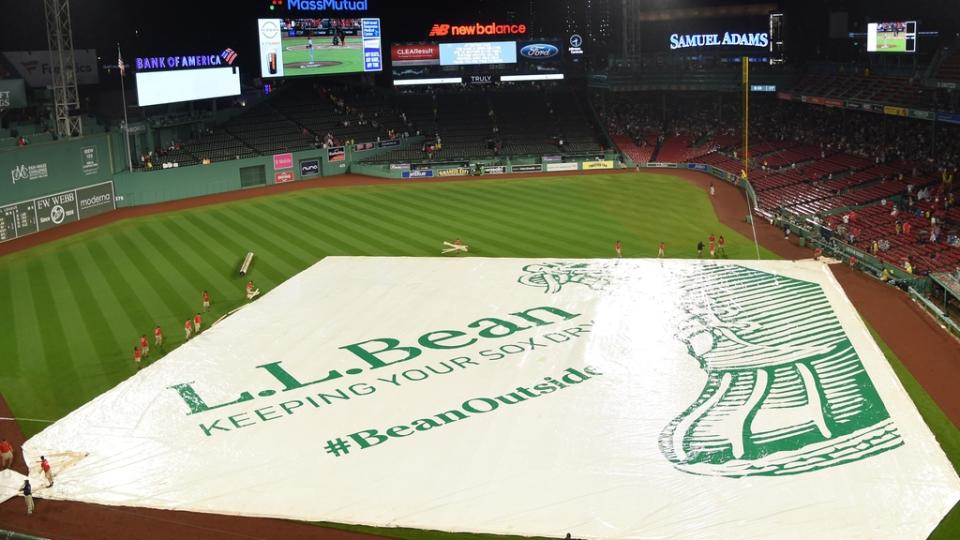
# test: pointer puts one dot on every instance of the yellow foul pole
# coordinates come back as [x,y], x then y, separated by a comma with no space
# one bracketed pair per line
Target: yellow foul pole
[745,175]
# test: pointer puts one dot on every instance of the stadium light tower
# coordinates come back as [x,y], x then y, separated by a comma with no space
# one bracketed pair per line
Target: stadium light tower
[66,99]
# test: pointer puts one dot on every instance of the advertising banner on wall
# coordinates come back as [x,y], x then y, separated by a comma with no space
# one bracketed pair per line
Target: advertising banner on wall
[336,153]
[39,214]
[309,167]
[36,68]
[496,169]
[458,171]
[592,165]
[562,166]
[421,173]
[282,161]
[13,94]
[283,177]
[526,168]
[89,161]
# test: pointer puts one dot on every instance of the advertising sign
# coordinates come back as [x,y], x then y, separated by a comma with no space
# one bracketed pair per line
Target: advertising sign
[476,29]
[399,166]
[282,161]
[562,166]
[309,167]
[23,172]
[471,54]
[458,171]
[496,169]
[591,165]
[735,39]
[13,94]
[894,111]
[427,54]
[56,210]
[283,177]
[327,5]
[421,173]
[539,51]
[389,143]
[96,199]
[526,168]
[337,153]
[89,161]
[36,68]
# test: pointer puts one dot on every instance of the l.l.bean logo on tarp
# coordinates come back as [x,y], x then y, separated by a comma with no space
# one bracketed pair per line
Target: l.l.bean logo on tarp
[786,391]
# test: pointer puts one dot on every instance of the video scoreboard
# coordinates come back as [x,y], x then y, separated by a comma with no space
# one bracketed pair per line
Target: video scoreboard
[477,62]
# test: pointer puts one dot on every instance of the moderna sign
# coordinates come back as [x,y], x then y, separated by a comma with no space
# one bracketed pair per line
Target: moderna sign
[683,41]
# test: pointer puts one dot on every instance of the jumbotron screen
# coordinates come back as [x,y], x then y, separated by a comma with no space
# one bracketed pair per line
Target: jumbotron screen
[895,37]
[476,62]
[297,47]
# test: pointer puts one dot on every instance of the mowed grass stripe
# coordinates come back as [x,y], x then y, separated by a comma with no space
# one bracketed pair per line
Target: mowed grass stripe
[325,243]
[399,234]
[106,288]
[290,237]
[367,242]
[293,253]
[500,236]
[133,304]
[140,276]
[265,248]
[209,261]
[229,241]
[102,333]
[10,346]
[191,260]
[488,237]
[56,337]
[147,262]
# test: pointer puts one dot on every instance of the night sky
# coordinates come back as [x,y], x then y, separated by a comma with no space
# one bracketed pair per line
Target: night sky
[199,26]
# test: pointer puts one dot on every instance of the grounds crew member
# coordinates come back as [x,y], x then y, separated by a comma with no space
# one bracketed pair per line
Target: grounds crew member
[27,496]
[6,454]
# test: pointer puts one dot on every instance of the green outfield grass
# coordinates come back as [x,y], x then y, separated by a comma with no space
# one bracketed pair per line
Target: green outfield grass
[296,57]
[73,309]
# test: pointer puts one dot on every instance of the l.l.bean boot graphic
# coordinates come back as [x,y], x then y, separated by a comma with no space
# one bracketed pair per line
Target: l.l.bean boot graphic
[786,392]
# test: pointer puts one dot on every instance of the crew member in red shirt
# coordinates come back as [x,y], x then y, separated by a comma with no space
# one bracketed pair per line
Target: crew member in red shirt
[722,244]
[206,301]
[45,467]
[158,336]
[144,346]
[6,454]
[137,356]
[660,249]
[187,328]
[196,323]
[618,247]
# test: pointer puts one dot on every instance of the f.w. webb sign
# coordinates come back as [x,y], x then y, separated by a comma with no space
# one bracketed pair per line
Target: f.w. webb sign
[633,398]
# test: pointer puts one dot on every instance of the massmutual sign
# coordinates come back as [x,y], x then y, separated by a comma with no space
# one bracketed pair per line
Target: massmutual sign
[327,5]
[735,39]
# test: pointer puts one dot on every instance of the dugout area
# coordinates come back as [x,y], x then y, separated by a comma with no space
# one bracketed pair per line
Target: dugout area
[525,396]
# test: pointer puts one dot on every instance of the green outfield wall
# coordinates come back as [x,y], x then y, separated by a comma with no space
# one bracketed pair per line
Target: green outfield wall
[42,168]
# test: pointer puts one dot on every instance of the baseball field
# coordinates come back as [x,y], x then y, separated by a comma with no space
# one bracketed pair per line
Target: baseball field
[74,309]
[327,58]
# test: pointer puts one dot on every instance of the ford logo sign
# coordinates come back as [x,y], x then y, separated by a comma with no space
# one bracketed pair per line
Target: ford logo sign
[539,51]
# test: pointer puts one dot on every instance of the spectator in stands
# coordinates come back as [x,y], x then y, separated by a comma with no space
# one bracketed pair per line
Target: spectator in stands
[22,141]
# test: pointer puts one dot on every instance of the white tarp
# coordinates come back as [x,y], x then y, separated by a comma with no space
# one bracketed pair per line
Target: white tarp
[630,398]
[10,483]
